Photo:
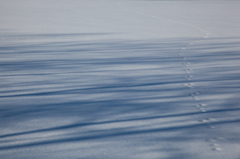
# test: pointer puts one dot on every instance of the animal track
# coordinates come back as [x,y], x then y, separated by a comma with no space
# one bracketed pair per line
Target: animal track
[211,127]
[207,120]
[188,77]
[193,94]
[186,64]
[202,110]
[189,85]
[202,106]
[184,59]
[187,70]
[213,144]
[194,97]
[216,149]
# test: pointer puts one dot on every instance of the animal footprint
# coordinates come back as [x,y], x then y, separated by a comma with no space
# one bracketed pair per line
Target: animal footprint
[216,149]
[203,121]
[202,109]
[187,77]
[193,96]
[211,127]
[214,145]
[195,93]
[189,85]
[186,63]
[202,105]
[207,120]
[187,70]
[183,58]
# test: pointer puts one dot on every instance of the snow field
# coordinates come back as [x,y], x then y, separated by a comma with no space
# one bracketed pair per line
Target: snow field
[119,79]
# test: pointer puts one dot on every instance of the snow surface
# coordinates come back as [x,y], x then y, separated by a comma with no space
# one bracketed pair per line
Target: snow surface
[105,79]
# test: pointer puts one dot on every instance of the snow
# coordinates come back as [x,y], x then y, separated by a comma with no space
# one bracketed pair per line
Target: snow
[119,79]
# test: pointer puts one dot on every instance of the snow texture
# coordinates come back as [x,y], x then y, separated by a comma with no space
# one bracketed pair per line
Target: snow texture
[112,79]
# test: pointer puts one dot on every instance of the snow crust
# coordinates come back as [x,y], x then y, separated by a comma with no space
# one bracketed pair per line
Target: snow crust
[119,79]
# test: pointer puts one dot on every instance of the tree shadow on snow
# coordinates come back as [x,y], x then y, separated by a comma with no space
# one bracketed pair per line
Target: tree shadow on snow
[111,90]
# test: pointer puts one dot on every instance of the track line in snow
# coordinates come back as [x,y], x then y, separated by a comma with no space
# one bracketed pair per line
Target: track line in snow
[187,69]
[194,96]
[213,143]
[200,107]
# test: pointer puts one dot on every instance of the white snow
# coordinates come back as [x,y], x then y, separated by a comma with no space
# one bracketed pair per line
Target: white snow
[119,79]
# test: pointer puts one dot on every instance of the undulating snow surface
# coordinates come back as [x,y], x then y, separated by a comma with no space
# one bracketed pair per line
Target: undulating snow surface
[102,79]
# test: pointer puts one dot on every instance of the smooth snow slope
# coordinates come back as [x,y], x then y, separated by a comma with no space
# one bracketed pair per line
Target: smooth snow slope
[104,79]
